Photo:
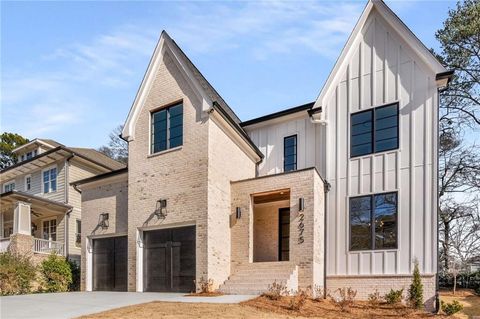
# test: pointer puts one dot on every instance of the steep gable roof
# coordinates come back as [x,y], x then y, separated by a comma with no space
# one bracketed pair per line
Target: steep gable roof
[201,87]
[402,30]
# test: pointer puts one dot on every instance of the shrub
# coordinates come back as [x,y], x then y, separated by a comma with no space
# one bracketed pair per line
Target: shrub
[346,298]
[16,274]
[298,300]
[415,292]
[204,286]
[318,293]
[451,308]
[56,273]
[275,291]
[477,291]
[75,269]
[374,298]
[394,296]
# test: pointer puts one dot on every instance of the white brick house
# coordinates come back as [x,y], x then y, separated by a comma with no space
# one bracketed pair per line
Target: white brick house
[339,192]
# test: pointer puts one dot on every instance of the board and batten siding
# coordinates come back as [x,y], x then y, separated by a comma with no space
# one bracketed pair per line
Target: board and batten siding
[382,69]
[269,139]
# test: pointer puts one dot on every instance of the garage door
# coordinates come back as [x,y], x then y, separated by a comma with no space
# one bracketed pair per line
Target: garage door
[169,259]
[110,264]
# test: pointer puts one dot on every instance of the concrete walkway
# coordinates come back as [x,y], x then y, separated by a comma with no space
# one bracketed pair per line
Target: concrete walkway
[75,304]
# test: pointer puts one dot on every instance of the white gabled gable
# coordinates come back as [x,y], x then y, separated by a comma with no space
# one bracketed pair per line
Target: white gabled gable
[406,35]
[165,44]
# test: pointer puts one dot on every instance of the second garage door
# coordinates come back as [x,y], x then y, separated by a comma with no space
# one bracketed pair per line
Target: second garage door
[110,264]
[169,259]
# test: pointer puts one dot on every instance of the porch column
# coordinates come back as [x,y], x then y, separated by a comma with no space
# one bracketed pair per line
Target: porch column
[22,219]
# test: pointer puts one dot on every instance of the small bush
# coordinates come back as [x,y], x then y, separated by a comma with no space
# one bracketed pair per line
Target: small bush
[374,298]
[275,291]
[477,291]
[75,269]
[16,274]
[318,293]
[394,296]
[204,286]
[415,292]
[298,300]
[56,274]
[451,308]
[346,298]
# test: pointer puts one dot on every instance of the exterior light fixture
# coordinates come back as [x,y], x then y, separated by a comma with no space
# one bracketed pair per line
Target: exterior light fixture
[103,220]
[238,212]
[301,204]
[160,207]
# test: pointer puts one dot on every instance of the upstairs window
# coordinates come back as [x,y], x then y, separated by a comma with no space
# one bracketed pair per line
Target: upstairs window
[8,187]
[374,130]
[50,180]
[167,128]
[28,182]
[29,155]
[290,153]
[373,222]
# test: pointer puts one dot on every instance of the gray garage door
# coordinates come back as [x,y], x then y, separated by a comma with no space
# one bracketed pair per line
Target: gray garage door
[110,264]
[169,259]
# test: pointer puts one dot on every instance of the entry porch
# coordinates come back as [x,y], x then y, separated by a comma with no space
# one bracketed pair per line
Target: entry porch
[277,232]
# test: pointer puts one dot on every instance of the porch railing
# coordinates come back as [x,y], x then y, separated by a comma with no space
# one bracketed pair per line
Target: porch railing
[44,246]
[4,243]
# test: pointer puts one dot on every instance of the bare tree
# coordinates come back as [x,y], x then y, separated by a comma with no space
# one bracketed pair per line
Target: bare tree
[117,148]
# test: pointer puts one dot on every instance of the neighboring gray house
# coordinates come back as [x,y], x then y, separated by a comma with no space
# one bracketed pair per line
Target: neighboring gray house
[40,211]
[339,192]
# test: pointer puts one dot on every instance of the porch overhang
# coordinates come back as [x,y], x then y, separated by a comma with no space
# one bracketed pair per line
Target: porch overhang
[39,205]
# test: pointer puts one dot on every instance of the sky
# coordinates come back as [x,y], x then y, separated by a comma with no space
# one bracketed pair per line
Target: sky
[70,70]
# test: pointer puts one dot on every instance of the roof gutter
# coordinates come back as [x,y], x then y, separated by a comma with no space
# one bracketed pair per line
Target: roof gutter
[56,149]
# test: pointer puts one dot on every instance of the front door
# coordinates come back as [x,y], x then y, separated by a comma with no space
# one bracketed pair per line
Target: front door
[284,234]
[169,259]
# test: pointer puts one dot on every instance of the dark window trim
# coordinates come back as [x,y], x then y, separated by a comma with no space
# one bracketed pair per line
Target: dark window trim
[166,108]
[372,217]
[296,152]
[373,110]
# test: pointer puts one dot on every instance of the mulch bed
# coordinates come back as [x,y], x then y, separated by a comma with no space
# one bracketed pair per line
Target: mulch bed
[328,309]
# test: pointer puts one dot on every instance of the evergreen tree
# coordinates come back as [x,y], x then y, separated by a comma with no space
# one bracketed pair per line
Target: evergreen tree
[415,292]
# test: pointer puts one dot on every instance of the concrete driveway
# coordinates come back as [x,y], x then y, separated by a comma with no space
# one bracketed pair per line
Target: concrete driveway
[75,304]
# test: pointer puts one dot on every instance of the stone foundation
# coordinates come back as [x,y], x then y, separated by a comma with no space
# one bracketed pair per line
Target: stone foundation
[365,285]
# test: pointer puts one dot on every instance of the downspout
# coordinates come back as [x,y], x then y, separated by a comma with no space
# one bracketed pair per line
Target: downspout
[67,214]
[326,188]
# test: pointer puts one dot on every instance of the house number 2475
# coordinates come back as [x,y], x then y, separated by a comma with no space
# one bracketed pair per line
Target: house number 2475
[301,227]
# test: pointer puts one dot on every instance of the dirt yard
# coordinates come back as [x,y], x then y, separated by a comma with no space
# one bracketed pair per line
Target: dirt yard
[470,302]
[264,308]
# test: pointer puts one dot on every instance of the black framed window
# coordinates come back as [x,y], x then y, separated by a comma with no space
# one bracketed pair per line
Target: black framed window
[374,130]
[290,153]
[373,222]
[167,128]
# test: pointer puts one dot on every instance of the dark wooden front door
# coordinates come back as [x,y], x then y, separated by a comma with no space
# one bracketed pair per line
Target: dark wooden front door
[169,259]
[283,234]
[110,264]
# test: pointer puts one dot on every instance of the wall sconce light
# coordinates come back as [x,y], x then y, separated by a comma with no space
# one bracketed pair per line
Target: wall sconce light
[160,207]
[103,220]
[301,204]
[238,212]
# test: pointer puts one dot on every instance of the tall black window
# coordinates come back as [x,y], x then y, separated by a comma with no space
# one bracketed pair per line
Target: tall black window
[290,153]
[374,130]
[378,210]
[167,128]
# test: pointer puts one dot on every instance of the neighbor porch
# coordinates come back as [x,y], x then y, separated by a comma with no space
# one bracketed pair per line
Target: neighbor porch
[32,224]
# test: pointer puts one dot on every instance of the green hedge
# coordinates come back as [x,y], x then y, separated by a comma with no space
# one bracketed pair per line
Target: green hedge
[57,274]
